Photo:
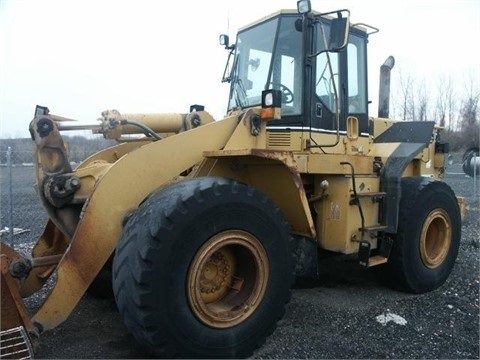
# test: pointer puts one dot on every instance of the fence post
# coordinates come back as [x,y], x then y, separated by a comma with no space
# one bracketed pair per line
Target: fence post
[475,169]
[10,197]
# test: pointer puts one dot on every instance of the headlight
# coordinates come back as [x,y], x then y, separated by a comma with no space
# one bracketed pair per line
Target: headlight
[271,98]
[271,104]
[304,6]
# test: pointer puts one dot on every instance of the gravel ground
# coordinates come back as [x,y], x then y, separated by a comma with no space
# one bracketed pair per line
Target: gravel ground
[343,314]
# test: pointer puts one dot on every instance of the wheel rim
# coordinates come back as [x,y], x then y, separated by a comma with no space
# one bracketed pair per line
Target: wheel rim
[436,238]
[227,279]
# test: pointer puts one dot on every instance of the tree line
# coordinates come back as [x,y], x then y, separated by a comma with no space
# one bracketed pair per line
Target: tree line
[451,103]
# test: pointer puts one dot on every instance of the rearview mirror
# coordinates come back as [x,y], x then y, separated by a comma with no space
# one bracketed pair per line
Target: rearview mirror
[338,34]
[338,29]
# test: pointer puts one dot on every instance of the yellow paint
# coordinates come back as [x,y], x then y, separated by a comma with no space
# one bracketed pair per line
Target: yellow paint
[132,178]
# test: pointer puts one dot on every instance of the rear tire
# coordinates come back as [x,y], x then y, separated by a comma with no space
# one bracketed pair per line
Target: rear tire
[426,244]
[204,269]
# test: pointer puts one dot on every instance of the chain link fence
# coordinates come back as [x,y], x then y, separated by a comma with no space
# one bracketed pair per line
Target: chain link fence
[22,217]
[17,177]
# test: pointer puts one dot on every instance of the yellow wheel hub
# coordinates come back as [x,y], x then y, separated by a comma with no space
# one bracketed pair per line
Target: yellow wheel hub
[436,238]
[227,278]
[216,276]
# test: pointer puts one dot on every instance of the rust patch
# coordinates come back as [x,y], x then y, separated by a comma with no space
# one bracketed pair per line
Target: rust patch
[14,312]
[51,242]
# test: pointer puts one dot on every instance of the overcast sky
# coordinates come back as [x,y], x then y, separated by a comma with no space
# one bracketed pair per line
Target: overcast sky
[82,57]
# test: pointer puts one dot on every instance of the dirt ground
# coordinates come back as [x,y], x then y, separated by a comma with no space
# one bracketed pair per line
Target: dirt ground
[346,313]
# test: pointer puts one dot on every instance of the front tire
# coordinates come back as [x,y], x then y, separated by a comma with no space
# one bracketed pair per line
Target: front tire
[204,269]
[426,244]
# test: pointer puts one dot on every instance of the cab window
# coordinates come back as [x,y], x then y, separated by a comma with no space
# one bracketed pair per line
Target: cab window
[357,91]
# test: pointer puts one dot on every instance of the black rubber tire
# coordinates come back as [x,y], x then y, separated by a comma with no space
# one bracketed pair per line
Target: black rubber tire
[159,243]
[467,152]
[421,198]
[467,158]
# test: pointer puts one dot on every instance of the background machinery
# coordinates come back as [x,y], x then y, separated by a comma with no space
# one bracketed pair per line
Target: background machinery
[204,224]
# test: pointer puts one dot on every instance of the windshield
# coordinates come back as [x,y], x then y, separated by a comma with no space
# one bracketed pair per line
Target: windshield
[268,56]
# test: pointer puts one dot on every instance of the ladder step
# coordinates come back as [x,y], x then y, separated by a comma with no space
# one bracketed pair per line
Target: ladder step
[371,194]
[374,196]
[374,228]
[377,260]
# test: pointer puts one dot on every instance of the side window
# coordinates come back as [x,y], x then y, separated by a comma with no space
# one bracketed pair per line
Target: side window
[324,79]
[286,74]
[357,92]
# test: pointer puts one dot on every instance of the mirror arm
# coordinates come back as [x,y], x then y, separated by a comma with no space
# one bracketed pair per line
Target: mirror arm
[229,77]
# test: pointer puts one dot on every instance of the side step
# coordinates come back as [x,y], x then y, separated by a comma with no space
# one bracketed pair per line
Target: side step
[375,196]
[373,228]
[15,344]
[376,260]
[364,253]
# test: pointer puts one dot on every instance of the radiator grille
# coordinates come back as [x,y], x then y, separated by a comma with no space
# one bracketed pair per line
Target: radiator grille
[279,139]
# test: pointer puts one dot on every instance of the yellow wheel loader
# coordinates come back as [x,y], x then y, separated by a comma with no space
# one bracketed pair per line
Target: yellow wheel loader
[204,224]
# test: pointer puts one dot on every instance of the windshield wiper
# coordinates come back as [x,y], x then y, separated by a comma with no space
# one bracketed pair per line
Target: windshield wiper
[239,92]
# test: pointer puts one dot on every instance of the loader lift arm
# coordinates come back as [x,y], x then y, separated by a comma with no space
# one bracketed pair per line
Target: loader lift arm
[78,214]
[102,221]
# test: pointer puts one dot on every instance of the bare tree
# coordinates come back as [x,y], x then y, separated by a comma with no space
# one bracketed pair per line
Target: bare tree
[441,102]
[406,96]
[469,116]
[451,106]
[421,103]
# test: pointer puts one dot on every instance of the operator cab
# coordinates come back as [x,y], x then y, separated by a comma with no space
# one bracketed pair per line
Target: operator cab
[316,61]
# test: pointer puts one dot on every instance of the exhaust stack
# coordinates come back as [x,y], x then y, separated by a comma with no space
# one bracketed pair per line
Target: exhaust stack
[384,88]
